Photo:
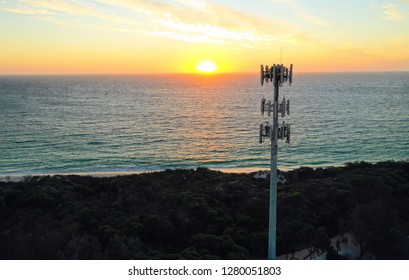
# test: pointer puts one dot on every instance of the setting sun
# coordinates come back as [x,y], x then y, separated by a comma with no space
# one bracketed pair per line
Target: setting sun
[206,67]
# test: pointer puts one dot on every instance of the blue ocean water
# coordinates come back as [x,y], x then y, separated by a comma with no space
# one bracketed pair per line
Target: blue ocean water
[71,124]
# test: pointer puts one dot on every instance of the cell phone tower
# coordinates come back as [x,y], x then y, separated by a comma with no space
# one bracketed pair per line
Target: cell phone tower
[278,75]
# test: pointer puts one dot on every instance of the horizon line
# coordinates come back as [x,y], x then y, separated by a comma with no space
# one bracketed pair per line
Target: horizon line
[193,73]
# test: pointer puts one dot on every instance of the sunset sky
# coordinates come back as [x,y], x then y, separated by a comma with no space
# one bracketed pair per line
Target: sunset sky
[175,36]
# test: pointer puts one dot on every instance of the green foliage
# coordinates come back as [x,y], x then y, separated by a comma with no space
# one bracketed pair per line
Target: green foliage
[204,214]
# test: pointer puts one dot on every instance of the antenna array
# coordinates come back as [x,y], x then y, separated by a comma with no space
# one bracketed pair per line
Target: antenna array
[278,75]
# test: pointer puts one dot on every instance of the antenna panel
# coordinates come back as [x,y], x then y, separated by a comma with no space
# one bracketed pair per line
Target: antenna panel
[266,74]
[283,108]
[274,72]
[282,73]
[263,103]
[291,74]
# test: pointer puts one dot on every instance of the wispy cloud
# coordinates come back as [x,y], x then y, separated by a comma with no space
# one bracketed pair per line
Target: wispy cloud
[58,5]
[220,33]
[355,52]
[58,11]
[391,12]
[301,12]
[27,10]
[186,20]
[205,22]
[313,19]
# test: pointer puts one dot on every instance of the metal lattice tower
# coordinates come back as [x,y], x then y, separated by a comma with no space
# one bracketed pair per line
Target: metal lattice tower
[278,75]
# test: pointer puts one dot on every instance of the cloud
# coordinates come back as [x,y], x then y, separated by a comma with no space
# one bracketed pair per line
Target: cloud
[221,33]
[301,12]
[58,10]
[198,21]
[313,20]
[391,12]
[27,11]
[58,5]
[186,20]
[355,52]
[221,24]
[185,37]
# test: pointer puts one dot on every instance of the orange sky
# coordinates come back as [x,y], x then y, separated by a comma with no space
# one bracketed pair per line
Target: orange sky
[124,36]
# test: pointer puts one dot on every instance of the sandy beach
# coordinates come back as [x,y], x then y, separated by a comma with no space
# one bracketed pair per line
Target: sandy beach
[21,177]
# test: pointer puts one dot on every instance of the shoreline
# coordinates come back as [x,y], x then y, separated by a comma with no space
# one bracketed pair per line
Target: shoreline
[108,174]
[16,177]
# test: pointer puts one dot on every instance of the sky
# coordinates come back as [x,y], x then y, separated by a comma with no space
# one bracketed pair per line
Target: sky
[175,36]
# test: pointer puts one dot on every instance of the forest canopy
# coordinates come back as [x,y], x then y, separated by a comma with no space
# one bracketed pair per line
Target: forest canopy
[205,214]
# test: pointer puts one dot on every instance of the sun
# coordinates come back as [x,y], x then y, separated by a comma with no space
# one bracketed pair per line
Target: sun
[206,66]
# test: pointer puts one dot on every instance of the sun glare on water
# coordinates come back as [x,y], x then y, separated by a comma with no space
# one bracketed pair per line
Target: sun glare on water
[206,67]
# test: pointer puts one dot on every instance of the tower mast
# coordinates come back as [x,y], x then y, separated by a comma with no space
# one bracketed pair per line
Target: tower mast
[278,74]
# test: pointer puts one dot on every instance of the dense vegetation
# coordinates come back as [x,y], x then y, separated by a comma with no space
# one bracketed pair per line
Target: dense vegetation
[204,214]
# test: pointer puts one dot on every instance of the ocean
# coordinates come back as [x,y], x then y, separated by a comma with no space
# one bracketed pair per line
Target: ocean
[139,123]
